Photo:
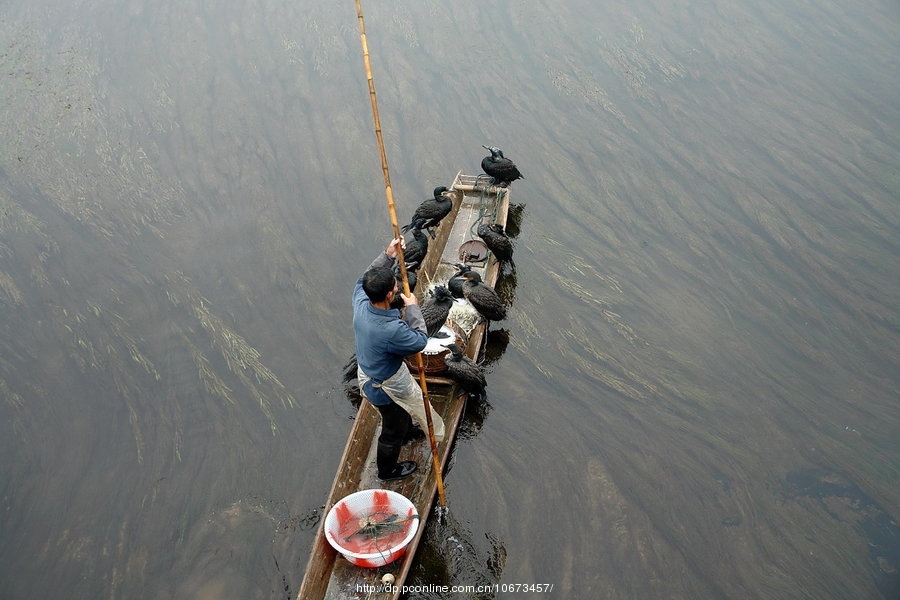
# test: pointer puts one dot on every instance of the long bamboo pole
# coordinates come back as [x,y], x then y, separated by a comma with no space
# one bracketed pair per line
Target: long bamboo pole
[396,228]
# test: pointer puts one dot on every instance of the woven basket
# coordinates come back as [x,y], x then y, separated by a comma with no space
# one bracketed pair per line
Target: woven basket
[434,361]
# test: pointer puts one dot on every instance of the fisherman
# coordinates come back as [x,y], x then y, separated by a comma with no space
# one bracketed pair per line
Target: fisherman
[383,339]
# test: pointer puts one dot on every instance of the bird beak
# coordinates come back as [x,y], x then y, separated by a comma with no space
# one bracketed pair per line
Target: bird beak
[488,148]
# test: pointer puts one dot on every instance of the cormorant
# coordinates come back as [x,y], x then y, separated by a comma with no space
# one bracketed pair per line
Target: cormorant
[500,168]
[464,371]
[455,283]
[483,298]
[417,247]
[436,308]
[411,278]
[431,211]
[497,241]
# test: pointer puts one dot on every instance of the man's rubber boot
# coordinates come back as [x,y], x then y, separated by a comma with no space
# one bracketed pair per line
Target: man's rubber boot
[388,467]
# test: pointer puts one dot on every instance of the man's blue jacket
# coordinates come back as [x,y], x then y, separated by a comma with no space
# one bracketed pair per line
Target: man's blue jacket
[383,339]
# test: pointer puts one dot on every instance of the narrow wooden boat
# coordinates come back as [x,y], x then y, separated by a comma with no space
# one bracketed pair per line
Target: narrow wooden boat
[328,574]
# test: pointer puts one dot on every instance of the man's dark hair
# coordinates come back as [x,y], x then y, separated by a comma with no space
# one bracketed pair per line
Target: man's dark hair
[377,282]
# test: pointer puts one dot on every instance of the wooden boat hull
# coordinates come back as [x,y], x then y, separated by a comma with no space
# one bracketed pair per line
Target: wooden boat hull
[328,574]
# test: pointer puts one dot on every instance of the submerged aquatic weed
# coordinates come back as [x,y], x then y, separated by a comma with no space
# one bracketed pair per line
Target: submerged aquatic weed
[242,359]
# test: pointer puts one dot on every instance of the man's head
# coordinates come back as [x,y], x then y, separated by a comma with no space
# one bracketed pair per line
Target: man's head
[378,283]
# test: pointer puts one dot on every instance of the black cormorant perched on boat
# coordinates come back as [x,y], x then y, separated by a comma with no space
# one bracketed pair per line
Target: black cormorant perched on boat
[497,241]
[417,247]
[411,278]
[436,308]
[499,167]
[464,371]
[483,298]
[455,283]
[431,211]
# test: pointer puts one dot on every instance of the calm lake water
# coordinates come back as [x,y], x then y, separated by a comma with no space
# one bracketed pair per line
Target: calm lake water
[695,394]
